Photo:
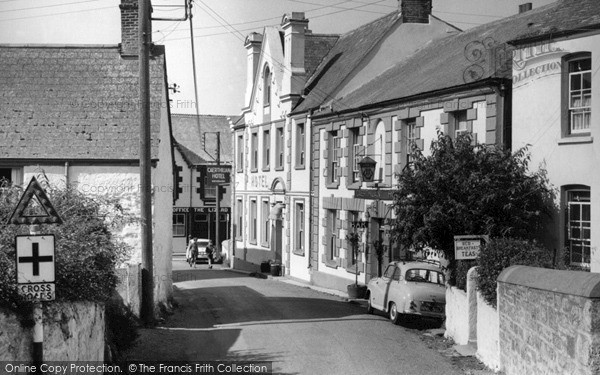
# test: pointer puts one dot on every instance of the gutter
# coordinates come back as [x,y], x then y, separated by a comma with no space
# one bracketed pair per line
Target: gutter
[398,101]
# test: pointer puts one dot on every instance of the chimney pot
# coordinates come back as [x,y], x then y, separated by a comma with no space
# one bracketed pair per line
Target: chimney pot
[525,7]
[415,11]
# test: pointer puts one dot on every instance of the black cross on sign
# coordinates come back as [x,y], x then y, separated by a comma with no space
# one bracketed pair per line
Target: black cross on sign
[35,258]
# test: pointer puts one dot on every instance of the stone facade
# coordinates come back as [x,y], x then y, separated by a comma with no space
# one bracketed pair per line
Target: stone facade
[72,332]
[549,321]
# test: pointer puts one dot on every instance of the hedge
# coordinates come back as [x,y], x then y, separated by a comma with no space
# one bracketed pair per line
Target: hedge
[500,253]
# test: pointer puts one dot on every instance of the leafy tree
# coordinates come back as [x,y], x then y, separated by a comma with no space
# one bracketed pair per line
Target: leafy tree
[466,188]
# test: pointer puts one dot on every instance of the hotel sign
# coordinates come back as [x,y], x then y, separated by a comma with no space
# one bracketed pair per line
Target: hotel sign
[218,175]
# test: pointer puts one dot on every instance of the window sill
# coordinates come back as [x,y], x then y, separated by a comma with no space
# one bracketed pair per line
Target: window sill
[266,169]
[331,263]
[278,169]
[354,186]
[355,269]
[575,140]
[299,252]
[299,167]
[333,185]
[252,242]
[254,170]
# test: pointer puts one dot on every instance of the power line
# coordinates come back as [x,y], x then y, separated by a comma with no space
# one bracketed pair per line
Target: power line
[338,7]
[48,6]
[56,14]
[261,20]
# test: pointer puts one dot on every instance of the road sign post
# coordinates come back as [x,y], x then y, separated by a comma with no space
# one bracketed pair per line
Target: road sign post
[35,258]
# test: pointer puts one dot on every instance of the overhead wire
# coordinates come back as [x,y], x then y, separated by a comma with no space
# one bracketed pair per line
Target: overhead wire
[319,93]
[48,6]
[55,14]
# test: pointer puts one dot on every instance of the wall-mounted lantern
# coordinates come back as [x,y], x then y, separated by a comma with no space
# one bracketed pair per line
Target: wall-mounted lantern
[367,169]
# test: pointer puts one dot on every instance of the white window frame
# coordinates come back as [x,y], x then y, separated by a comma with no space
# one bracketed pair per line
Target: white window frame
[579,227]
[178,227]
[585,111]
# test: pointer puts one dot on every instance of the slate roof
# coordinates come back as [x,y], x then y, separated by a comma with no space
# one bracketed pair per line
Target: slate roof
[74,102]
[185,132]
[349,50]
[568,17]
[316,46]
[190,157]
[466,57]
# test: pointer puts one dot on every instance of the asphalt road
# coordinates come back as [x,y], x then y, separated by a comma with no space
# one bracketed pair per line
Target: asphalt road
[228,316]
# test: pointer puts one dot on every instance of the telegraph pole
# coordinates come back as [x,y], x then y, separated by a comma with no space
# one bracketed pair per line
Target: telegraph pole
[218,215]
[147,308]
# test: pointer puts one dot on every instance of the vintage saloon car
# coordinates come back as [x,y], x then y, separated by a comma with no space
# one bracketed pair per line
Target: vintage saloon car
[409,289]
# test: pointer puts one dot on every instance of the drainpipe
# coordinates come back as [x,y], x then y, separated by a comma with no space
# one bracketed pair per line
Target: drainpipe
[310,187]
[190,203]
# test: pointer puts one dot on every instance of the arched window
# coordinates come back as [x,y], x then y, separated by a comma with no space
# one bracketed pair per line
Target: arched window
[267,78]
[379,151]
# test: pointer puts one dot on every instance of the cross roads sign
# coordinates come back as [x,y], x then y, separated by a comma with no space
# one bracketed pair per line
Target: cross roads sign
[35,266]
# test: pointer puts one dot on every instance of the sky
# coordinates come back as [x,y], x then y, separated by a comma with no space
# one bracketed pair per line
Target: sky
[220,27]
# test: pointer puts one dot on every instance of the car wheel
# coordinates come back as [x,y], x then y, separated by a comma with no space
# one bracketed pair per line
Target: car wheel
[369,306]
[395,316]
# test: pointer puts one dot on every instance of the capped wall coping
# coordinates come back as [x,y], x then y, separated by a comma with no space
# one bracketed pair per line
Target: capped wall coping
[577,283]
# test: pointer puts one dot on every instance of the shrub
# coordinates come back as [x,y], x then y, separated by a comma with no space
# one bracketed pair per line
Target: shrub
[460,187]
[501,253]
[87,253]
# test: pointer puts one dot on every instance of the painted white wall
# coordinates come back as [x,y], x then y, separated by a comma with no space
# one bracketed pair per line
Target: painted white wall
[536,121]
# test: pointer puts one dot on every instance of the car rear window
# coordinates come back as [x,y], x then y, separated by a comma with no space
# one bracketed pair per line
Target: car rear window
[424,276]
[203,243]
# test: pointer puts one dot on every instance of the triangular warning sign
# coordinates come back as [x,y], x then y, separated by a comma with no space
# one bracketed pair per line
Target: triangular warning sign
[36,211]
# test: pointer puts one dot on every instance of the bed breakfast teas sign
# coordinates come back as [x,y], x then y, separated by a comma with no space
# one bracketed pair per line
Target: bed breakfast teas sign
[468,246]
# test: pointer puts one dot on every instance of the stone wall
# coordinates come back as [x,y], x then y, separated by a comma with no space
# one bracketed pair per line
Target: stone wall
[549,321]
[72,332]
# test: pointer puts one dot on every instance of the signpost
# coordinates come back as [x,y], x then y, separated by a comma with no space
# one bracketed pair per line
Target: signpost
[468,246]
[35,267]
[35,257]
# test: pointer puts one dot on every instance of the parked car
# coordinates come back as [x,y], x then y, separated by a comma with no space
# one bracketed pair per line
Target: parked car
[202,256]
[409,289]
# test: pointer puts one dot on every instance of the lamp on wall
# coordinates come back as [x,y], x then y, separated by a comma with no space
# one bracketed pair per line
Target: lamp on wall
[367,169]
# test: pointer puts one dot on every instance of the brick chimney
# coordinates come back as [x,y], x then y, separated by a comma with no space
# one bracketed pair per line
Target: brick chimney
[415,11]
[253,45]
[525,7]
[294,76]
[129,28]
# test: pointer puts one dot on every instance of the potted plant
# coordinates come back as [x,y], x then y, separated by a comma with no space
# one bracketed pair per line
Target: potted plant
[355,290]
